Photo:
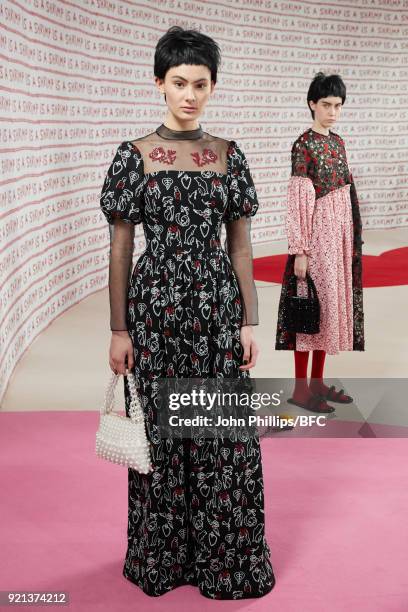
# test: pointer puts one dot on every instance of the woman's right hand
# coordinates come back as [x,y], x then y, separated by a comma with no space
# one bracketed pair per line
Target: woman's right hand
[300,267]
[121,352]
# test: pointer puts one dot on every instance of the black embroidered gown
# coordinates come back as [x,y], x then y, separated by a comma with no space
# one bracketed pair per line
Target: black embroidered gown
[198,518]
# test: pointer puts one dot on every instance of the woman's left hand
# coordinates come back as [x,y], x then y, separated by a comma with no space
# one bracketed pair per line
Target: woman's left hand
[250,347]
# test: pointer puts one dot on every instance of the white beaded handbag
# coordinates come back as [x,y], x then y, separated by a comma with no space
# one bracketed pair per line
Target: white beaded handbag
[122,439]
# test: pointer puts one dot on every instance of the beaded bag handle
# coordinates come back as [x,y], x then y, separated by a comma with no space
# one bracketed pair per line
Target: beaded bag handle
[311,287]
[135,410]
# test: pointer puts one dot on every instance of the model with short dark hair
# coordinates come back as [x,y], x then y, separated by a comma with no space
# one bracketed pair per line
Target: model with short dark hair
[187,310]
[324,238]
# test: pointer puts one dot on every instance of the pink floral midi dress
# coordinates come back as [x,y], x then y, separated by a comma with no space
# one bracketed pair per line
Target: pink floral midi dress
[323,220]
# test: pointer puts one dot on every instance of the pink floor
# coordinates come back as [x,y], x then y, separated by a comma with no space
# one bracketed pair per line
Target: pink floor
[336,516]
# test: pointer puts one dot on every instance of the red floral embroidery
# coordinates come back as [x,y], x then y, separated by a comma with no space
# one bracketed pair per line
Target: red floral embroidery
[208,157]
[160,155]
[321,160]
[231,149]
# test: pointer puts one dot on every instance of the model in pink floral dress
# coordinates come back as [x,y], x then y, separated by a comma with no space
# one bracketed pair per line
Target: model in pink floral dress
[323,220]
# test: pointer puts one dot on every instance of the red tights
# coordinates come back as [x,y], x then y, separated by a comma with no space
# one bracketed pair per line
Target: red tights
[302,390]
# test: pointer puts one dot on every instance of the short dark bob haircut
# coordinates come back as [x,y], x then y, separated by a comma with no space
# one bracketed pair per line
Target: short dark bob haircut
[178,46]
[323,86]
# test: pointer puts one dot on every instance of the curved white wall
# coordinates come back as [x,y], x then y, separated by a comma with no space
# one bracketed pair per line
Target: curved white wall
[77,80]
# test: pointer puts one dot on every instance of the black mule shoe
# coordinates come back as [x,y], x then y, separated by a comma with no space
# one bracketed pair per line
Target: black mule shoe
[315,403]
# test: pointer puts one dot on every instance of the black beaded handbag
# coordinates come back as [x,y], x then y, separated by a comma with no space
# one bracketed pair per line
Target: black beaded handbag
[301,314]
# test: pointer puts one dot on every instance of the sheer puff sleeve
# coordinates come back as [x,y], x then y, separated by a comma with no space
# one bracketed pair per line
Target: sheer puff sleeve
[121,203]
[241,206]
[300,202]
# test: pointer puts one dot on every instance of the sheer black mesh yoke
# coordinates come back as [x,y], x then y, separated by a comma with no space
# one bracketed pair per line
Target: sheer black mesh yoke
[207,153]
[182,189]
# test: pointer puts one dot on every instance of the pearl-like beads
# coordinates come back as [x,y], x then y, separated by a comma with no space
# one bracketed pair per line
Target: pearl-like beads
[121,439]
